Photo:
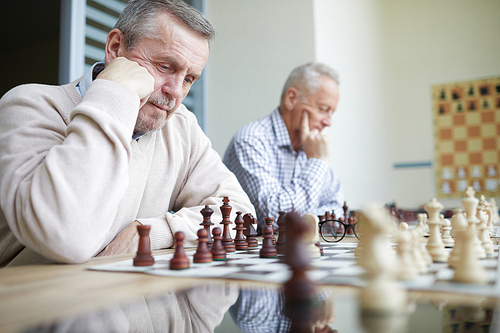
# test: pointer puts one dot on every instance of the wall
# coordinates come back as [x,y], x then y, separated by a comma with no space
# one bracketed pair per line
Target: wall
[429,42]
[348,38]
[258,43]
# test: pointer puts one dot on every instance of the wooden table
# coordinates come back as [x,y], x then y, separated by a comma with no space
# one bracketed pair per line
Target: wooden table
[32,295]
[42,294]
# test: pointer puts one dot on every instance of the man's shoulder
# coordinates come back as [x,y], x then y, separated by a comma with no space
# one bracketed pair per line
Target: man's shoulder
[258,129]
[40,97]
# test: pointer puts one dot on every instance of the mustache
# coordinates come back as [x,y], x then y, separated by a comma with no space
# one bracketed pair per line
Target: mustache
[165,102]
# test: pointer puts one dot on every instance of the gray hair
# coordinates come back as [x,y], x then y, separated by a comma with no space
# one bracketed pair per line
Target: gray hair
[306,79]
[137,19]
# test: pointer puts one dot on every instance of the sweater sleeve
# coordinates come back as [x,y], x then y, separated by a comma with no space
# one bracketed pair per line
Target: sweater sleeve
[54,178]
[206,181]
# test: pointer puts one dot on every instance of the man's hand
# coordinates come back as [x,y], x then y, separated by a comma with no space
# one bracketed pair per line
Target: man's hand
[126,241]
[130,75]
[315,144]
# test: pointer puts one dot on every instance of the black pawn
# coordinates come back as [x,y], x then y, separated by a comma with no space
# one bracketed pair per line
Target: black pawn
[269,221]
[218,251]
[202,255]
[281,242]
[144,257]
[180,260]
[239,240]
[268,250]
[207,213]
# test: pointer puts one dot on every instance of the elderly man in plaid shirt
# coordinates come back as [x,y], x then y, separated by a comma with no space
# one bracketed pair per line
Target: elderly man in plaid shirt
[282,160]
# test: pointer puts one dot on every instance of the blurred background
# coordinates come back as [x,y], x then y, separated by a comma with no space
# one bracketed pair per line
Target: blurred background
[389,54]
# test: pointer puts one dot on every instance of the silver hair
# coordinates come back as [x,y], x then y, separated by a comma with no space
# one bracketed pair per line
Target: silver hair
[137,20]
[306,79]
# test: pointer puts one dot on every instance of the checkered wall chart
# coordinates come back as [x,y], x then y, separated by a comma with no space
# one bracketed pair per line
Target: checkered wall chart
[467,137]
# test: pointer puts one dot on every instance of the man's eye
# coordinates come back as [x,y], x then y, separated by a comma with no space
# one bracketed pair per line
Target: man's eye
[188,80]
[164,67]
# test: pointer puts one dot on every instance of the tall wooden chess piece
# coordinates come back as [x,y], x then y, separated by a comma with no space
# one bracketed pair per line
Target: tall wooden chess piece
[227,241]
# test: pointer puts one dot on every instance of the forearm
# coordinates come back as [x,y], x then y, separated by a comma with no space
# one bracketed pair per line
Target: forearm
[53,185]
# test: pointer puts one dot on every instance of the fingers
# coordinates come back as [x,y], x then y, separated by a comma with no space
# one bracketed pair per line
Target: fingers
[304,126]
[129,74]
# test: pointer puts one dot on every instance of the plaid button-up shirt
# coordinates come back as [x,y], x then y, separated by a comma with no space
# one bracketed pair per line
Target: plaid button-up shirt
[276,177]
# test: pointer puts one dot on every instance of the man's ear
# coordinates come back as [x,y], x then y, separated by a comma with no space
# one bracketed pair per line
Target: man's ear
[114,45]
[291,98]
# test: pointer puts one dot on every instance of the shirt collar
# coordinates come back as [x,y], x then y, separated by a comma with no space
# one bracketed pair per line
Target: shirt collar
[280,130]
[90,76]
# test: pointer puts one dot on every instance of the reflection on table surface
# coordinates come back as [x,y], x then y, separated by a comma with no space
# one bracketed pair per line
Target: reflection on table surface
[230,307]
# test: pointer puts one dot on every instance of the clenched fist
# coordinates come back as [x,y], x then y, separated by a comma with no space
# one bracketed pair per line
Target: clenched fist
[130,75]
[315,144]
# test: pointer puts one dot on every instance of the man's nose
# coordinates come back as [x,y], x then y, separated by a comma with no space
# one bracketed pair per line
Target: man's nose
[173,86]
[327,121]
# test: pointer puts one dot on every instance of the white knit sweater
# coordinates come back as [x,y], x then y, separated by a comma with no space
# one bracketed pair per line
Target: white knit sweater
[71,177]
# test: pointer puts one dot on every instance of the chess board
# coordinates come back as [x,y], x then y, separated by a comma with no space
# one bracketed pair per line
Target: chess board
[467,137]
[336,267]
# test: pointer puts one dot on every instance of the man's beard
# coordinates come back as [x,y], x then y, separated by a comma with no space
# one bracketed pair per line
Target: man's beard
[146,124]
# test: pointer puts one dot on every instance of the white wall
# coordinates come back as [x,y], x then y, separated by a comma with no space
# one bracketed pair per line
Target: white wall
[388,53]
[429,42]
[348,38]
[258,43]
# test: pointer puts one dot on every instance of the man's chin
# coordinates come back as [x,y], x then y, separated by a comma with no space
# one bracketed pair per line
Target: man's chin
[149,125]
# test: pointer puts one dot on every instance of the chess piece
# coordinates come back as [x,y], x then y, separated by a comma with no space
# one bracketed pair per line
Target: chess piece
[420,260]
[250,232]
[406,266]
[312,237]
[218,251]
[269,221]
[281,242]
[227,241]
[180,260]
[382,292]
[202,255]
[435,245]
[358,251]
[495,218]
[207,213]
[484,233]
[468,268]
[299,290]
[446,235]
[144,257]
[470,204]
[458,221]
[239,240]
[268,250]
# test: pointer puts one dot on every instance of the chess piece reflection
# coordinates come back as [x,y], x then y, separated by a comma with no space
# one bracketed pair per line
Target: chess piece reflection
[300,305]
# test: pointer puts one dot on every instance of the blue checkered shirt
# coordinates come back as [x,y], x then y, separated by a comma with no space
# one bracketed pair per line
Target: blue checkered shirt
[276,177]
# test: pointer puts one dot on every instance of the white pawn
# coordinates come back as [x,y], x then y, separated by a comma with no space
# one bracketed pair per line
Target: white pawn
[406,266]
[435,245]
[446,235]
[459,223]
[484,233]
[495,218]
[421,261]
[468,268]
[311,238]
